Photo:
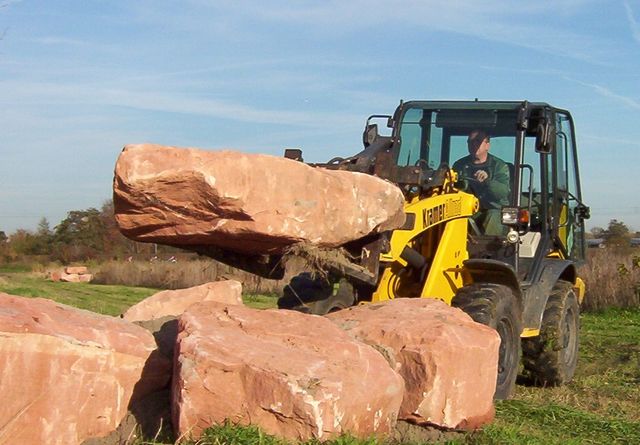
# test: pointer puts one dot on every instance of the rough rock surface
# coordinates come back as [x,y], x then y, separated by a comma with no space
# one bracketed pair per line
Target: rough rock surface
[295,375]
[448,361]
[76,270]
[174,302]
[75,278]
[248,203]
[68,374]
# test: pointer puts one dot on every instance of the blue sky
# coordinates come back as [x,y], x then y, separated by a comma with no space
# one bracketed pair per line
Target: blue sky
[80,79]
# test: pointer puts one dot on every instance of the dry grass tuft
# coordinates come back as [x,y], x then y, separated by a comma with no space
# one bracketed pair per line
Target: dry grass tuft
[612,278]
[180,275]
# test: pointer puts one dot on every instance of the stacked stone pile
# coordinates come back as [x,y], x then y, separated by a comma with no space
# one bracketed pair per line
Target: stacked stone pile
[70,375]
[71,274]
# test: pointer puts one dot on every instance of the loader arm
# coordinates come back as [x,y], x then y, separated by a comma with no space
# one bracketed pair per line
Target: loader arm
[426,256]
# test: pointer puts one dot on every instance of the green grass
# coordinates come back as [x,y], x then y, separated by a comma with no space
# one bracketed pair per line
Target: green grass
[9,268]
[259,301]
[101,298]
[104,299]
[600,406]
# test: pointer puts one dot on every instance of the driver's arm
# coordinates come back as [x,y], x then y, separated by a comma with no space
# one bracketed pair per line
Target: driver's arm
[500,183]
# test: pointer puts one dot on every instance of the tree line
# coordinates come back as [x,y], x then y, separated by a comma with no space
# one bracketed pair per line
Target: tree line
[93,234]
[83,235]
[617,234]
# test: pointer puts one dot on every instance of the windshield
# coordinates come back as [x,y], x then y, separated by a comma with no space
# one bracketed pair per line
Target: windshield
[440,136]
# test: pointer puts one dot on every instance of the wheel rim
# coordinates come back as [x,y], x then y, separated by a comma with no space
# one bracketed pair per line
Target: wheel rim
[508,354]
[569,336]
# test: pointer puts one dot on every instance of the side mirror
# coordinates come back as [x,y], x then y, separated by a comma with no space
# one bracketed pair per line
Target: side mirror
[293,153]
[546,136]
[370,134]
[583,212]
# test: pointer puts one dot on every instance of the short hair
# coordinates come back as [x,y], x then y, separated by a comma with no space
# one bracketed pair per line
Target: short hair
[480,135]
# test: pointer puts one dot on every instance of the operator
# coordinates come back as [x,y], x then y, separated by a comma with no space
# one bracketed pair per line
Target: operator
[489,180]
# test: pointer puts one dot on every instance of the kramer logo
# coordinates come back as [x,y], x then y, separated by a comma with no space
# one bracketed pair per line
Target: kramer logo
[451,208]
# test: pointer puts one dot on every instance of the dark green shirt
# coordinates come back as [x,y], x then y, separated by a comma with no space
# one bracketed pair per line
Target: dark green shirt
[493,193]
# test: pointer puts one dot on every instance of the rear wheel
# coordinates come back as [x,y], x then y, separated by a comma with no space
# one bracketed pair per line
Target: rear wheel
[550,359]
[496,306]
[316,295]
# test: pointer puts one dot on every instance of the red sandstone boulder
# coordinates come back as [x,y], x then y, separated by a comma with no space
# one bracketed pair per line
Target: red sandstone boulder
[74,277]
[174,302]
[297,376]
[448,361]
[54,275]
[247,203]
[76,270]
[70,277]
[85,278]
[69,374]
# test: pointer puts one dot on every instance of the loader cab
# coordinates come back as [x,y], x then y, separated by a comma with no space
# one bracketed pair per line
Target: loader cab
[537,143]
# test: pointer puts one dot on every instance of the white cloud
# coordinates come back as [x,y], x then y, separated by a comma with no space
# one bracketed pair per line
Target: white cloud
[633,23]
[524,24]
[606,92]
[53,40]
[15,92]
[514,23]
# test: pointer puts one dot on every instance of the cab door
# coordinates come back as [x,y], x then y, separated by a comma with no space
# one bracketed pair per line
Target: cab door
[568,226]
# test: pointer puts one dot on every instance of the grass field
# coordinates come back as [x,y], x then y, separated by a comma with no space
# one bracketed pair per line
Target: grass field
[601,405]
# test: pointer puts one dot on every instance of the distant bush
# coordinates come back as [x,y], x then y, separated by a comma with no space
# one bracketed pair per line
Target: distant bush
[612,277]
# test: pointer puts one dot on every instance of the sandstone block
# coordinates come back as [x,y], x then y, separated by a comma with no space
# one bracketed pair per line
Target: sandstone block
[85,278]
[174,302]
[297,376]
[70,277]
[448,361]
[68,374]
[76,270]
[247,203]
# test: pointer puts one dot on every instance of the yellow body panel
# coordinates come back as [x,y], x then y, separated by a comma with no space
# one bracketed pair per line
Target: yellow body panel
[439,234]
[530,332]
[580,289]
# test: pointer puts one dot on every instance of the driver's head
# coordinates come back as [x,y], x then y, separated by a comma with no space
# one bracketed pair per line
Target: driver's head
[478,143]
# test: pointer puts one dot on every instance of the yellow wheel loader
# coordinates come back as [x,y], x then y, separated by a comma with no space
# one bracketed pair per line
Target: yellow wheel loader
[521,279]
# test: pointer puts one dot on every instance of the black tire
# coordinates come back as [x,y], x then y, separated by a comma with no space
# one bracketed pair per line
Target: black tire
[550,359]
[316,295]
[497,306]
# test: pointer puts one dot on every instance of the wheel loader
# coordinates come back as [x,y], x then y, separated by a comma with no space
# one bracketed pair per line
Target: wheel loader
[521,280]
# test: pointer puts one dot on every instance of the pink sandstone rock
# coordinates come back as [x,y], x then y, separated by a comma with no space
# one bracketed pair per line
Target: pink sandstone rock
[85,278]
[76,270]
[68,374]
[174,302]
[54,275]
[448,361]
[248,203]
[70,277]
[296,376]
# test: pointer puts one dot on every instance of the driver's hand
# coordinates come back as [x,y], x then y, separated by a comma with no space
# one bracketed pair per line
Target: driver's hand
[481,176]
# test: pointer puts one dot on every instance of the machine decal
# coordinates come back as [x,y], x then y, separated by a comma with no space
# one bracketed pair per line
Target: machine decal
[450,209]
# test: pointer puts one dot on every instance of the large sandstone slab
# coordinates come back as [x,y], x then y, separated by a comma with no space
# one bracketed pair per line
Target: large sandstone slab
[67,374]
[448,361]
[297,376]
[174,302]
[248,203]
[80,270]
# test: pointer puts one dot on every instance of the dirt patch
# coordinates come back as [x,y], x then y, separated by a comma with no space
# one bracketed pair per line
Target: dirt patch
[316,260]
